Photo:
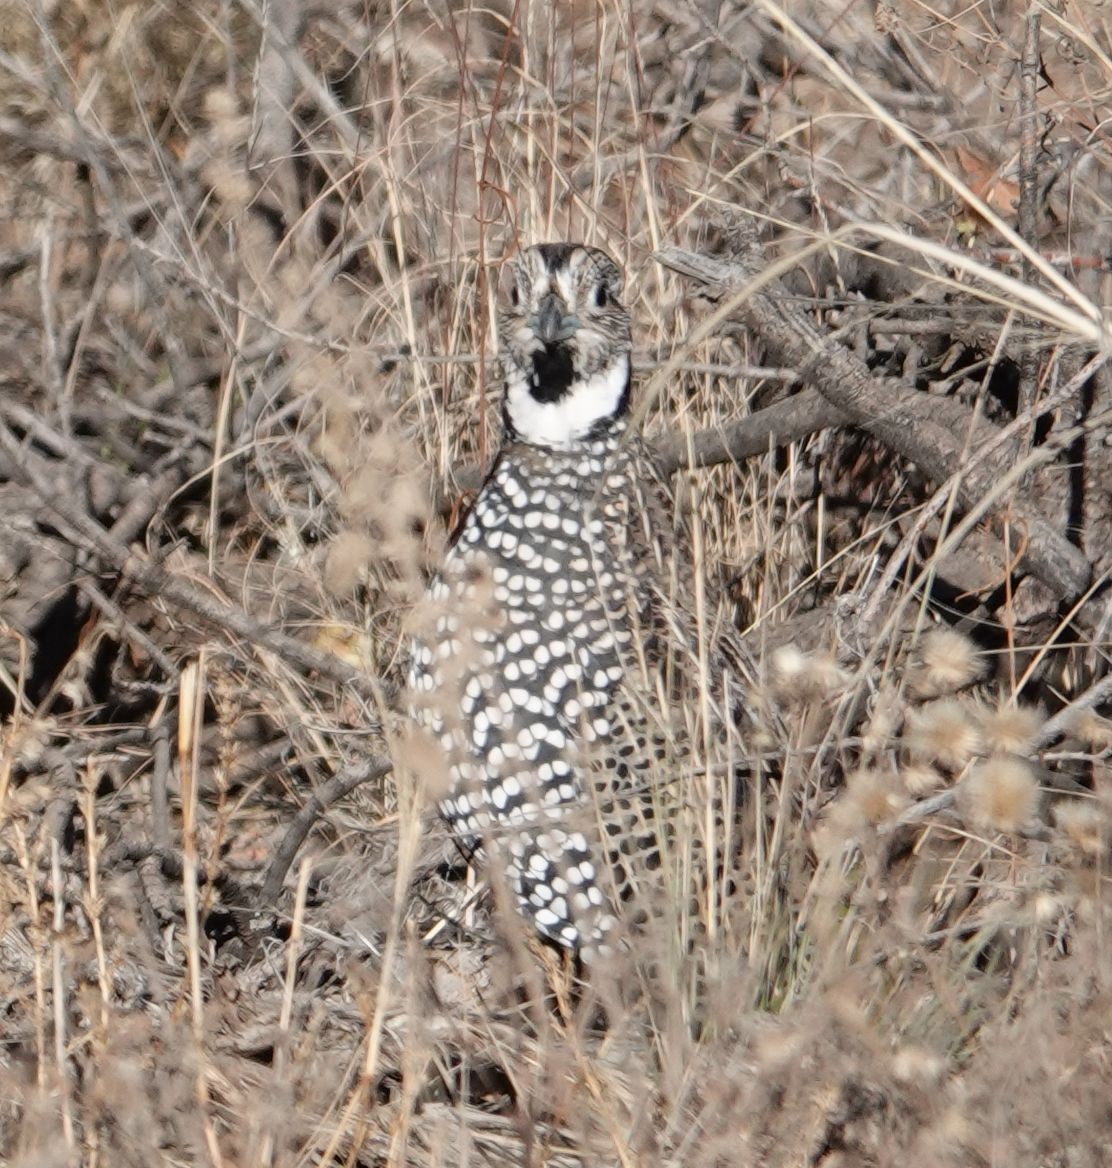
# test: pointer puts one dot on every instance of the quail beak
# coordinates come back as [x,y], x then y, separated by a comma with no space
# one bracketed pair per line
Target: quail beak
[552,322]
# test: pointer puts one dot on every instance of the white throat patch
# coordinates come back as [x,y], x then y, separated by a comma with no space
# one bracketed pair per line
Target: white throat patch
[571,419]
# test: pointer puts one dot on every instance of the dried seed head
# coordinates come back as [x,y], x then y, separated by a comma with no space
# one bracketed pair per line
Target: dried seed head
[789,668]
[948,661]
[1093,730]
[921,779]
[230,127]
[804,677]
[229,184]
[830,834]
[219,104]
[1048,909]
[944,733]
[349,557]
[30,741]
[1085,824]
[827,676]
[345,641]
[874,795]
[1008,728]
[336,443]
[401,522]
[777,1049]
[363,493]
[423,759]
[1001,793]
[917,1066]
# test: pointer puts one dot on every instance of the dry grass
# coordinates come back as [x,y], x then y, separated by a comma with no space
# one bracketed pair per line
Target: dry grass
[248,280]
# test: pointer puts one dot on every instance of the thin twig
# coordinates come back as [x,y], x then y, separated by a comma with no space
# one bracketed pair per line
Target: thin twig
[1029,206]
[160,786]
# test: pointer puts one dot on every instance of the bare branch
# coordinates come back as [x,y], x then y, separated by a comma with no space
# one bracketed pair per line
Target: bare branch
[336,788]
[85,532]
[906,421]
[786,421]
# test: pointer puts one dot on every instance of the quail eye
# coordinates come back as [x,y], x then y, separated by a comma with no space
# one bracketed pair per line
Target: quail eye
[602,297]
[515,296]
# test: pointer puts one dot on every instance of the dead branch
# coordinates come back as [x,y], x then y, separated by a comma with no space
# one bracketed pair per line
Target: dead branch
[904,420]
[1029,196]
[336,788]
[786,421]
[83,531]
[1063,721]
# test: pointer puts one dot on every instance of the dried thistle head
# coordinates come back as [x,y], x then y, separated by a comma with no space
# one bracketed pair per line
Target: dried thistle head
[1084,822]
[1010,729]
[1093,730]
[874,795]
[945,733]
[225,170]
[1001,793]
[871,796]
[800,677]
[347,562]
[917,1066]
[424,762]
[947,662]
[337,439]
[920,779]
[886,711]
[388,531]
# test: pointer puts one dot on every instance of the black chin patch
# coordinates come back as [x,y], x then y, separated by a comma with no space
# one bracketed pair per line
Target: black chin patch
[553,373]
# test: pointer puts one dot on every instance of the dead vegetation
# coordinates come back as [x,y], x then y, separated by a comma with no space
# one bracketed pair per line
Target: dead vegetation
[249,254]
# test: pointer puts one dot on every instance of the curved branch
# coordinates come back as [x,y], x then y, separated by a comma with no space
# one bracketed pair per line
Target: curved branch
[906,421]
[336,788]
[786,421]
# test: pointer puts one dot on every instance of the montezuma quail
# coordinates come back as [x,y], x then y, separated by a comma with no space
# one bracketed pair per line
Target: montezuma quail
[563,625]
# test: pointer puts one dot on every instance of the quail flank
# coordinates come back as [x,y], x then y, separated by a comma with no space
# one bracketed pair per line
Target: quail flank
[560,619]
